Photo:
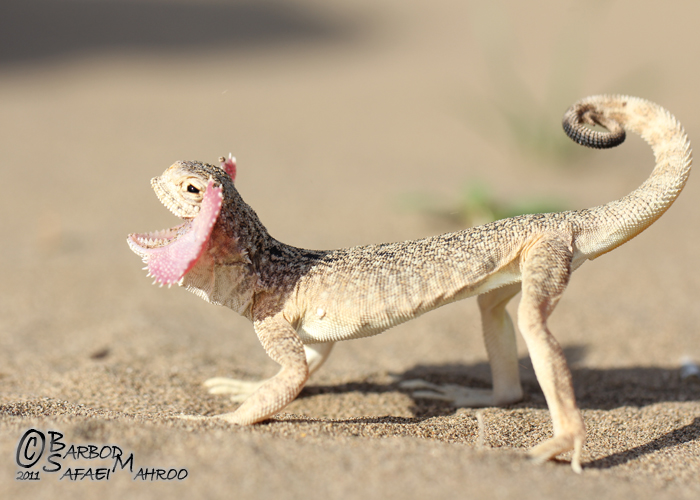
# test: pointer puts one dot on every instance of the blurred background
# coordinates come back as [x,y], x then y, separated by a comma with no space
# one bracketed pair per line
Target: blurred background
[353,122]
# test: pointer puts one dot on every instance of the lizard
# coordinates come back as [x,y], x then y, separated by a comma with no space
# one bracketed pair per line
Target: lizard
[301,301]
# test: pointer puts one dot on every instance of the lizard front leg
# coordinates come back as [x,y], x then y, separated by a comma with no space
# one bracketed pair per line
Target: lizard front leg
[240,390]
[283,345]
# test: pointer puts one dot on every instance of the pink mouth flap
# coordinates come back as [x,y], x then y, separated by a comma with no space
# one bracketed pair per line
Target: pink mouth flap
[170,263]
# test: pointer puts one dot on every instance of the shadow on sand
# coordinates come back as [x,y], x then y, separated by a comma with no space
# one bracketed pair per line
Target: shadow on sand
[49,29]
[600,389]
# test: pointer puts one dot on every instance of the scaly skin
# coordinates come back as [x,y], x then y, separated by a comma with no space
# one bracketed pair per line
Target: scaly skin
[302,301]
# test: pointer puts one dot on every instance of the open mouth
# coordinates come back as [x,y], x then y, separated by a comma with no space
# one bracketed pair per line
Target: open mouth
[170,253]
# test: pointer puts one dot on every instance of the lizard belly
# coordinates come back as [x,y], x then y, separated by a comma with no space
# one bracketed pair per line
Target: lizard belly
[330,328]
[506,276]
[351,319]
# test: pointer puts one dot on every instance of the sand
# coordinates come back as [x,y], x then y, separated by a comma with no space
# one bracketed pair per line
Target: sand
[338,114]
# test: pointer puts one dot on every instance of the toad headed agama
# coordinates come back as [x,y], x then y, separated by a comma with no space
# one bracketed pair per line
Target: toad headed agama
[302,301]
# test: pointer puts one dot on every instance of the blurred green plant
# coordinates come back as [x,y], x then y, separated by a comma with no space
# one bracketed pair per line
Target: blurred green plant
[475,204]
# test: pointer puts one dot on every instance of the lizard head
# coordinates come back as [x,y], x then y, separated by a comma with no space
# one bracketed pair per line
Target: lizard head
[194,192]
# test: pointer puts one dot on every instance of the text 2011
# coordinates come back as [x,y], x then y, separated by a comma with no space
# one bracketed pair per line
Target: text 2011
[27,475]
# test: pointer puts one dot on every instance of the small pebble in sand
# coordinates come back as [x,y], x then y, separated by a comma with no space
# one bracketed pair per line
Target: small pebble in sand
[689,369]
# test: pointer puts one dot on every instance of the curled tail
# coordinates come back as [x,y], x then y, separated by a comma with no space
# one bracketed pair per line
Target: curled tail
[608,226]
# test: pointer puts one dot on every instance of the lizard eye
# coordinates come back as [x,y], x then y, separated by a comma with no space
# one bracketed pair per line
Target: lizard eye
[192,189]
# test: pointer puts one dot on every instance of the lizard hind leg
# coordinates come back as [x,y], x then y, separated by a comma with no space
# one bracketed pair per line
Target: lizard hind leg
[499,337]
[545,274]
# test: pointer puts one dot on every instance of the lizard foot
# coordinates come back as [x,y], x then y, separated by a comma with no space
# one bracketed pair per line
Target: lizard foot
[556,445]
[227,417]
[238,389]
[192,417]
[457,395]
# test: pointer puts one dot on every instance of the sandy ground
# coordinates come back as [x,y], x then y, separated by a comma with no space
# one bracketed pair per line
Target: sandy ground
[337,112]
